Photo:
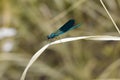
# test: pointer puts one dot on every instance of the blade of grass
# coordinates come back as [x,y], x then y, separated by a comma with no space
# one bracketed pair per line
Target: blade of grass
[110,16]
[39,52]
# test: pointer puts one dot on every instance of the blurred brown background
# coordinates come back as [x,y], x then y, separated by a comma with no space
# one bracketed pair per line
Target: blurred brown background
[24,25]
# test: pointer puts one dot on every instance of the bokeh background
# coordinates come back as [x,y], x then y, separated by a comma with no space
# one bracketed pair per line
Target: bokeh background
[24,25]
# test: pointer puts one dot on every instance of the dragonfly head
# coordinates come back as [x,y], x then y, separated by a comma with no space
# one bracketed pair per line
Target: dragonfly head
[52,35]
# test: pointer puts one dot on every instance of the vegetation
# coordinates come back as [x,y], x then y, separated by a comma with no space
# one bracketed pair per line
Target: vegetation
[32,20]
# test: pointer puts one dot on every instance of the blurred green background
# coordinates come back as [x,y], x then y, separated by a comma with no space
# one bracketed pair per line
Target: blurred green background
[24,25]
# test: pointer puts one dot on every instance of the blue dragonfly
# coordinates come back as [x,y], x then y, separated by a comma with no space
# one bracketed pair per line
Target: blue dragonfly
[70,25]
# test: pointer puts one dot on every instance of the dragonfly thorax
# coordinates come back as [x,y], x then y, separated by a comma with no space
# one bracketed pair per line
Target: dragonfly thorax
[52,35]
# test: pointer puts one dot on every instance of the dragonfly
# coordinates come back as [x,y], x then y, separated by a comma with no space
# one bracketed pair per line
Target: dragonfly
[70,25]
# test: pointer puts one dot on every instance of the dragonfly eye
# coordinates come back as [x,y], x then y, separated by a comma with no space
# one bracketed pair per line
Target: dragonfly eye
[48,37]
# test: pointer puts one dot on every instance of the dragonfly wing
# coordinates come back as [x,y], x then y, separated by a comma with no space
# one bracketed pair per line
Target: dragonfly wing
[76,26]
[67,25]
[59,32]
